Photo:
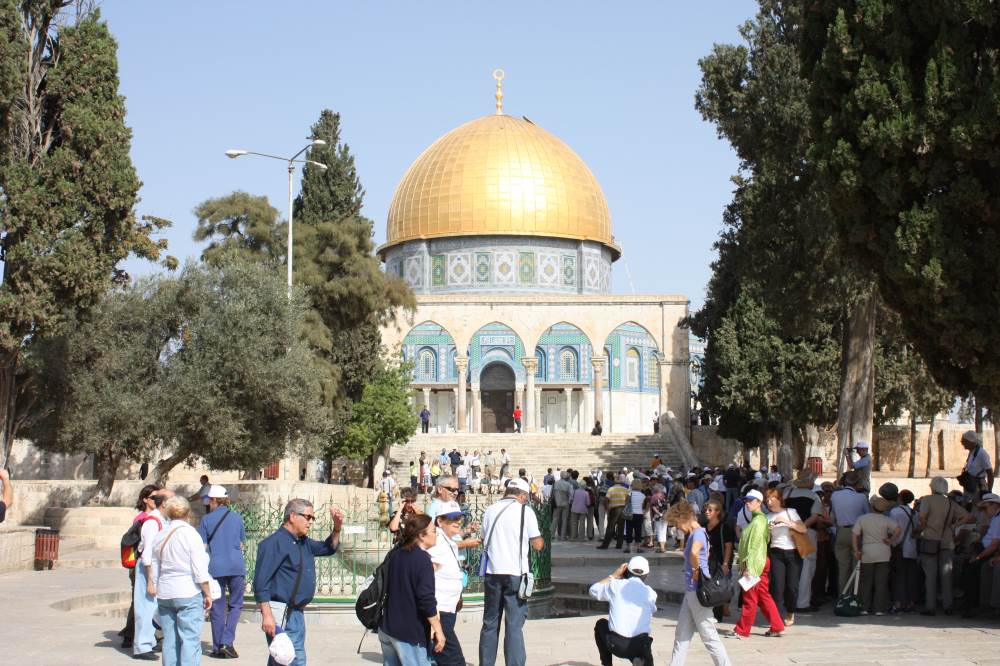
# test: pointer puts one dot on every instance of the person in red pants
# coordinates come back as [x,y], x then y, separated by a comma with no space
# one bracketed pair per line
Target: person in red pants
[751,561]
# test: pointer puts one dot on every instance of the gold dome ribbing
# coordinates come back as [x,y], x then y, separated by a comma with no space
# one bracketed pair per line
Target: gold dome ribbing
[499,175]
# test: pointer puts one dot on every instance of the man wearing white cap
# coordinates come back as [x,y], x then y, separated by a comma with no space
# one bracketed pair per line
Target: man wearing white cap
[626,632]
[977,474]
[509,527]
[862,466]
[223,532]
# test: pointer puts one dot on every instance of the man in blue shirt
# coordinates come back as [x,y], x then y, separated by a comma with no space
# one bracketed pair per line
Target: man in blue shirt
[223,532]
[284,580]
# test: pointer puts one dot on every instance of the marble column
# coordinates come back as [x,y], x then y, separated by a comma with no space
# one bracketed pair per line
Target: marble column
[538,409]
[461,365]
[454,405]
[530,364]
[664,367]
[599,364]
[477,410]
[568,395]
[427,404]
[588,411]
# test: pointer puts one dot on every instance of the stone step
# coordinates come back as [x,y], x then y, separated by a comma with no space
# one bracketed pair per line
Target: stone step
[73,545]
[94,558]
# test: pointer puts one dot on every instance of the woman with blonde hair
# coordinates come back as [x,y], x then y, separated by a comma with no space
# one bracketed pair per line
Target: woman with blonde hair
[693,616]
[180,583]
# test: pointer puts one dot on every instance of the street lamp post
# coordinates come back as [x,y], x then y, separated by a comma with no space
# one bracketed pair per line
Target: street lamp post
[234,153]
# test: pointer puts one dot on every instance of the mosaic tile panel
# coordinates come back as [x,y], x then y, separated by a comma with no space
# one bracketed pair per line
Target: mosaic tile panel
[548,269]
[459,269]
[568,270]
[484,261]
[526,267]
[504,272]
[437,270]
[591,273]
[414,271]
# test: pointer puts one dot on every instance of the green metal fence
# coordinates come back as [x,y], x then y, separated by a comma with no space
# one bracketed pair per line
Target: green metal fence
[365,540]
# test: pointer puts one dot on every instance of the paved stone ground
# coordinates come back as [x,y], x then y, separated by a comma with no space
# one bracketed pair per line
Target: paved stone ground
[36,632]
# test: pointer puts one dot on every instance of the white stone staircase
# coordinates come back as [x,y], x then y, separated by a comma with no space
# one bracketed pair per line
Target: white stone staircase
[538,451]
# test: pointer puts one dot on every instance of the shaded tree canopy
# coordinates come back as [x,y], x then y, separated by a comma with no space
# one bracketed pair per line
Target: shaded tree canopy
[904,103]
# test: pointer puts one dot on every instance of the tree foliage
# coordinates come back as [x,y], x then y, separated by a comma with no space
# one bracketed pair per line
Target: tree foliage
[904,104]
[209,366]
[240,222]
[67,182]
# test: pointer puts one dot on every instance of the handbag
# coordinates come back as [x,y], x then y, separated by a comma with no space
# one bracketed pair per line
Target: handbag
[527,585]
[803,543]
[849,605]
[717,589]
[933,546]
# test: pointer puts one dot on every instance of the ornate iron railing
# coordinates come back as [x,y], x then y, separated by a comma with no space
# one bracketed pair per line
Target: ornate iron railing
[366,539]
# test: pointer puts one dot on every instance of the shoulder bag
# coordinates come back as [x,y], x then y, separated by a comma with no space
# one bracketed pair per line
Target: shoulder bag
[716,589]
[527,585]
[927,546]
[803,543]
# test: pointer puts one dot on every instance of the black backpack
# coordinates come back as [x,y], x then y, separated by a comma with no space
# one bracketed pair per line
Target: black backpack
[374,594]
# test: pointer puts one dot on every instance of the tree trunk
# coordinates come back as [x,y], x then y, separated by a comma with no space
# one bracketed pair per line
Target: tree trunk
[856,406]
[107,469]
[785,450]
[8,394]
[978,411]
[164,466]
[911,469]
[930,447]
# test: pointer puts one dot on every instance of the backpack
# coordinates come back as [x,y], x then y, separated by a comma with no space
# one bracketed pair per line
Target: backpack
[373,595]
[130,540]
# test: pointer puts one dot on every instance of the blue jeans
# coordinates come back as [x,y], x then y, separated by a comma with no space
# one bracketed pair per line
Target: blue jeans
[182,620]
[501,597]
[145,607]
[398,653]
[223,623]
[295,627]
[451,655]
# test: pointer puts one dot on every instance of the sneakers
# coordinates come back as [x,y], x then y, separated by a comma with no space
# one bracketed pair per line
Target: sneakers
[774,634]
[147,656]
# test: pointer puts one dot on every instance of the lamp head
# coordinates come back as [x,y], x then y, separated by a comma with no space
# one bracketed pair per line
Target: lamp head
[318,142]
[317,164]
[233,154]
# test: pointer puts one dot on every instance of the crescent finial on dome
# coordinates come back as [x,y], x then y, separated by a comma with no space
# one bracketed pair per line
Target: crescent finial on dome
[498,75]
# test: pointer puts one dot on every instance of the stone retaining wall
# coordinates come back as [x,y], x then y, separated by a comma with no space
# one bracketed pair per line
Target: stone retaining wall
[17,549]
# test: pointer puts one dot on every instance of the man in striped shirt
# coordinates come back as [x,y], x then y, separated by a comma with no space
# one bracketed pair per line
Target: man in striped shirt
[614,502]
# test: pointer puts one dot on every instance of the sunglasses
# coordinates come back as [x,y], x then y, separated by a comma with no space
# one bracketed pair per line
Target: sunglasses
[308,516]
[451,489]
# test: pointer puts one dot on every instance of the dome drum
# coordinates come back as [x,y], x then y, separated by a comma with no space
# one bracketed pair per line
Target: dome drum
[514,264]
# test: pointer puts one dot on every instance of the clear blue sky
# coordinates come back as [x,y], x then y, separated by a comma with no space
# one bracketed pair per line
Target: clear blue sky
[615,81]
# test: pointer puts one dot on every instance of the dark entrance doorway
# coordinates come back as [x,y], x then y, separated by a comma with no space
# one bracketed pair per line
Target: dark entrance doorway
[496,383]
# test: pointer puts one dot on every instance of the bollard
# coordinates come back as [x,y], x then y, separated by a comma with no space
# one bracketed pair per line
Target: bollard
[46,548]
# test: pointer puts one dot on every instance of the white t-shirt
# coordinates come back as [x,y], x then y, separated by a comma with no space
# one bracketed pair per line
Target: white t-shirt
[149,530]
[500,549]
[447,573]
[203,493]
[386,485]
[632,605]
[462,472]
[908,520]
[780,537]
[473,461]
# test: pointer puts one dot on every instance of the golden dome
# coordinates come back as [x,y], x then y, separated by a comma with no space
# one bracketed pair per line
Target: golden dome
[499,175]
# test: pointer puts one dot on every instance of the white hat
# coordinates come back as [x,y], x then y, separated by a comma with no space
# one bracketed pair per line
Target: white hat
[861,445]
[217,492]
[450,510]
[519,484]
[715,486]
[639,565]
[754,495]
[281,648]
[989,497]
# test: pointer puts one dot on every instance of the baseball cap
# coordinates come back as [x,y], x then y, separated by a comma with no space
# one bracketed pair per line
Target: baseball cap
[281,648]
[753,495]
[451,509]
[989,497]
[217,492]
[639,565]
[519,484]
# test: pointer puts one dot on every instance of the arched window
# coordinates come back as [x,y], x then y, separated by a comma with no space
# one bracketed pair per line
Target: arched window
[632,368]
[568,365]
[652,373]
[426,368]
[540,369]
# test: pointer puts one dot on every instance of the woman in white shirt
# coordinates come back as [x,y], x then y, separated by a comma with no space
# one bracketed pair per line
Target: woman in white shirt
[179,582]
[449,581]
[786,564]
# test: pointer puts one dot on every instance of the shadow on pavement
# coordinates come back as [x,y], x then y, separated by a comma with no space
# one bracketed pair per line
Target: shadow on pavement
[114,641]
